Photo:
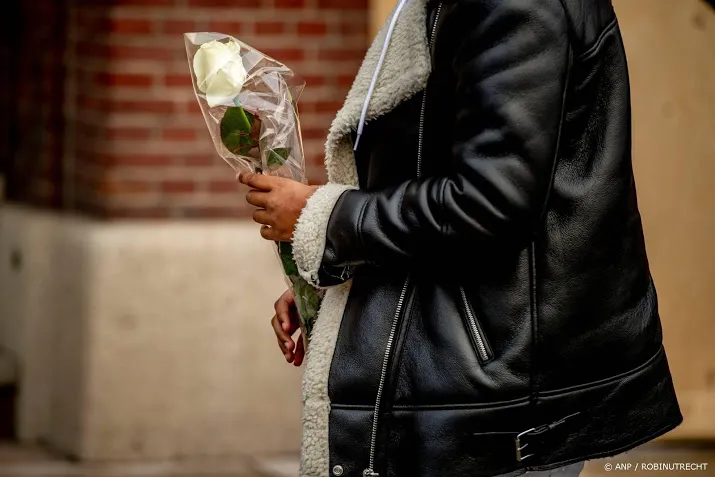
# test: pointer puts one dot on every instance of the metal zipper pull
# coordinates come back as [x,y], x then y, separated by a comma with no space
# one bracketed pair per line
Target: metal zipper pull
[369,473]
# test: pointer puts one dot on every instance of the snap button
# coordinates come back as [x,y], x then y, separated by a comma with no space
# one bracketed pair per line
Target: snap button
[338,470]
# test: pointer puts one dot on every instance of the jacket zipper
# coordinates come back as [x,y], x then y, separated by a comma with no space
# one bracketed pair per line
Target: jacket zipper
[424,98]
[370,471]
[483,349]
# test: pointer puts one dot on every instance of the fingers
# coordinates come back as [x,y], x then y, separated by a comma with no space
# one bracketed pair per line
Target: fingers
[262,216]
[257,198]
[282,332]
[299,352]
[258,181]
[285,342]
[283,305]
[270,233]
[285,323]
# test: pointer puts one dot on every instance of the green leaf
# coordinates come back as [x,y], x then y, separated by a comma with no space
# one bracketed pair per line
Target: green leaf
[236,126]
[236,120]
[285,250]
[278,156]
[307,297]
[307,301]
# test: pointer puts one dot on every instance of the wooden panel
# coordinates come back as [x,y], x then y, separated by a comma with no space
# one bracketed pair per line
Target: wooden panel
[379,11]
[671,53]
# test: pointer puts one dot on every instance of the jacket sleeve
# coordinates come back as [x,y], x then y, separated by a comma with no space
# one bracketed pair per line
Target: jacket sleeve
[511,67]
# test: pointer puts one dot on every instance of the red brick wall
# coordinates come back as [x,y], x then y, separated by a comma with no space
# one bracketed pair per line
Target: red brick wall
[136,144]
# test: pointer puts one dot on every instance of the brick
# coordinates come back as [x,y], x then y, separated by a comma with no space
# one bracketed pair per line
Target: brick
[319,106]
[314,80]
[226,27]
[128,133]
[269,28]
[345,80]
[312,28]
[141,52]
[193,108]
[179,81]
[145,160]
[103,51]
[126,106]
[353,28]
[179,134]
[142,3]
[126,80]
[178,27]
[310,133]
[178,187]
[289,4]
[200,161]
[144,155]
[139,106]
[328,106]
[112,187]
[317,159]
[285,54]
[341,54]
[343,4]
[223,186]
[129,26]
[225,3]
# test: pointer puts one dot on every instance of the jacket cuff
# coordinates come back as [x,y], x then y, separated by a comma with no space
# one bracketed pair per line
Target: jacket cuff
[310,231]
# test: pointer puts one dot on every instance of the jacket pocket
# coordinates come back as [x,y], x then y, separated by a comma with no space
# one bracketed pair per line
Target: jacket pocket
[479,339]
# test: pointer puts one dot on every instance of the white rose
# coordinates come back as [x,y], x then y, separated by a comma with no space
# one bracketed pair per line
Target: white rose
[219,71]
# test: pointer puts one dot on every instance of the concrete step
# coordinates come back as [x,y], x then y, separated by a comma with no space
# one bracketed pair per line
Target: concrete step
[27,461]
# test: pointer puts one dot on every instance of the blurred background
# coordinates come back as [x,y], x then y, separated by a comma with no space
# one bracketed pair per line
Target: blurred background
[136,294]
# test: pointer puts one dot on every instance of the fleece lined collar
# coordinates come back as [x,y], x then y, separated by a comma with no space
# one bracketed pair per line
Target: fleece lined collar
[404,73]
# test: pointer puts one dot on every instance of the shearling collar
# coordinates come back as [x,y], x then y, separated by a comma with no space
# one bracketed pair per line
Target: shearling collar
[404,73]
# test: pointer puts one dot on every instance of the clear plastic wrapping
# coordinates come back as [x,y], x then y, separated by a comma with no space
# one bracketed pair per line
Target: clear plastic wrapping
[249,103]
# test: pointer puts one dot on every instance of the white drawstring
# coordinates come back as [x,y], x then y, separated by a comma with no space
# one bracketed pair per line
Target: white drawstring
[375,75]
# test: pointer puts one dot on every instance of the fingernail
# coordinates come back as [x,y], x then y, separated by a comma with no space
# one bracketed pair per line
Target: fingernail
[288,344]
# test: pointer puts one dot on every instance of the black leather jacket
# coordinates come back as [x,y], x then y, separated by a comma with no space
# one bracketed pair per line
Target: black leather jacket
[527,335]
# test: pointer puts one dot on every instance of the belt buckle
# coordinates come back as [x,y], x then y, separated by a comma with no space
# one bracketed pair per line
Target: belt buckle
[519,447]
[547,427]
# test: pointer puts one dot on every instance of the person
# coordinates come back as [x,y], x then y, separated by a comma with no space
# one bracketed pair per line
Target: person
[489,308]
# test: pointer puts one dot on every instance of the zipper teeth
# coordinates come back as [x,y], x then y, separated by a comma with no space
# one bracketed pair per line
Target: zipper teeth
[481,346]
[420,137]
[383,373]
[370,471]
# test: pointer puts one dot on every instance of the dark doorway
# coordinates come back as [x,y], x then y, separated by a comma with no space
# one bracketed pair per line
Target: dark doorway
[32,46]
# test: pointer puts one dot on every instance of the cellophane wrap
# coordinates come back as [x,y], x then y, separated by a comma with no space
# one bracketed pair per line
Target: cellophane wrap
[249,103]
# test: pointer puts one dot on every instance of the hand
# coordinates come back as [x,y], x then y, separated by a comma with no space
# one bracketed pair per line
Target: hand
[285,324]
[280,202]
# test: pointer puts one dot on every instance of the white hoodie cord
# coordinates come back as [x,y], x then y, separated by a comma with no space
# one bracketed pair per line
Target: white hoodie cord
[375,75]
